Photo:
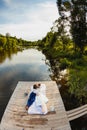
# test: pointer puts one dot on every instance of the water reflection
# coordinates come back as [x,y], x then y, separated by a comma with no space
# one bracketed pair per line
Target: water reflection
[31,65]
[79,124]
[7,54]
[24,66]
[70,100]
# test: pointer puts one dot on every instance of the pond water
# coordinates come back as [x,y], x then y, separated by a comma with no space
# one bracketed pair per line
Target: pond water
[28,65]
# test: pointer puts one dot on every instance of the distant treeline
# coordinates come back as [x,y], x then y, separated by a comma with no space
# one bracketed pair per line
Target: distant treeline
[8,42]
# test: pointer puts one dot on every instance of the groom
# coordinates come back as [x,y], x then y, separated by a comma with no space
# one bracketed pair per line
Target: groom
[32,96]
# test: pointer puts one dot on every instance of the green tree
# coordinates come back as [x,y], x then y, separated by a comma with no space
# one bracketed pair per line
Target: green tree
[61,34]
[77,18]
[2,42]
[48,40]
[7,34]
[79,23]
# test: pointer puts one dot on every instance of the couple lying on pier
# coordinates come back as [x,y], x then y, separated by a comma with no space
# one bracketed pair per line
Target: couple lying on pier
[37,100]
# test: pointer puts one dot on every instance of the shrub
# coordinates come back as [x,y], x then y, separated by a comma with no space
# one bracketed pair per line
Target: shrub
[64,63]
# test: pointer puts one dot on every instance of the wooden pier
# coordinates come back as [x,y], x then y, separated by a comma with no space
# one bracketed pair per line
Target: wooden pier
[16,118]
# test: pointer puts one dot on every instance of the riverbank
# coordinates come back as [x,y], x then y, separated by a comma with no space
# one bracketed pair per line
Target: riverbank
[75,82]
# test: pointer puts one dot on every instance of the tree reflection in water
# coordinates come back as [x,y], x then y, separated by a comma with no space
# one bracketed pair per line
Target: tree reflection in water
[7,54]
[70,100]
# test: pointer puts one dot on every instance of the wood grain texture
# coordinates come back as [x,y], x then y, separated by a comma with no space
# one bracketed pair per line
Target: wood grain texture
[16,118]
[77,112]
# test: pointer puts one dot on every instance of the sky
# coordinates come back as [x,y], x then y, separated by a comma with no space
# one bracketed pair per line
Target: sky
[27,19]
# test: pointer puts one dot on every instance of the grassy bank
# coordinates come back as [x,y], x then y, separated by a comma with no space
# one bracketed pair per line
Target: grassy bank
[76,63]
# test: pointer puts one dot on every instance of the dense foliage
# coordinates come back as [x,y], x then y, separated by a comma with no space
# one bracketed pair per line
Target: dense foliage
[8,42]
[65,46]
[77,19]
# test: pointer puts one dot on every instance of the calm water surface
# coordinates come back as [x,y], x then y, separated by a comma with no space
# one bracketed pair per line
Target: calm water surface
[28,65]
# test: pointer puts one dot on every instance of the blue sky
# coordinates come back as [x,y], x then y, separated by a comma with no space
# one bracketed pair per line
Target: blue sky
[27,19]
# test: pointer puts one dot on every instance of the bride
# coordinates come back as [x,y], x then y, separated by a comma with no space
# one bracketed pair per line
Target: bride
[37,103]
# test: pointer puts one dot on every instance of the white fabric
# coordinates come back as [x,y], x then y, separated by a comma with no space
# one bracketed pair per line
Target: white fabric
[40,101]
[33,109]
[43,89]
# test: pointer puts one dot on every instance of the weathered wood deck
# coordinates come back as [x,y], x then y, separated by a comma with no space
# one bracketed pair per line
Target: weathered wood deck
[16,117]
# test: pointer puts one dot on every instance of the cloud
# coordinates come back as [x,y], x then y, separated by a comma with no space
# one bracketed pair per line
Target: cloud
[7,1]
[28,22]
[27,31]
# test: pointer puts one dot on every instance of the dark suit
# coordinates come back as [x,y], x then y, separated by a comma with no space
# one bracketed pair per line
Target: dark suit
[31,99]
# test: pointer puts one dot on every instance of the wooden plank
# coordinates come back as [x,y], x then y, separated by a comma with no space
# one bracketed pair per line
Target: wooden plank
[16,117]
[77,109]
[77,112]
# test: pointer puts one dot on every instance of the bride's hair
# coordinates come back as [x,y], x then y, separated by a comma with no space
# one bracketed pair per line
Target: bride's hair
[39,85]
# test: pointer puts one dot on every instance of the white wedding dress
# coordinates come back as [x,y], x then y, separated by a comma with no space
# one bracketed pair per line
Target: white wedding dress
[41,99]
